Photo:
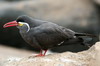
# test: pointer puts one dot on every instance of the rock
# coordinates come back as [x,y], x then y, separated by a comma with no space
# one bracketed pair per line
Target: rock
[97,1]
[96,60]
[89,57]
[6,52]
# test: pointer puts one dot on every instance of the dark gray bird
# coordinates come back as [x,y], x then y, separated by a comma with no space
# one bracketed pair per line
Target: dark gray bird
[44,35]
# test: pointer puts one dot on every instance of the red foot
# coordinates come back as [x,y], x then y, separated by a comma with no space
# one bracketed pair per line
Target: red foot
[40,55]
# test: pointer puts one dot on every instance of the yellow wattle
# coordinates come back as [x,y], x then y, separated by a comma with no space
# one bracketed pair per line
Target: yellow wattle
[20,24]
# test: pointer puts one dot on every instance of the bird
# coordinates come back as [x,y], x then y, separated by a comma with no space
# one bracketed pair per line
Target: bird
[44,35]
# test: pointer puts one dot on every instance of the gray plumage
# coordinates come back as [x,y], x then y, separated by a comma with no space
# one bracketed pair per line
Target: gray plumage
[45,35]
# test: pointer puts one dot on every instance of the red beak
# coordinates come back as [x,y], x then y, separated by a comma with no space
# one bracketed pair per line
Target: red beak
[10,24]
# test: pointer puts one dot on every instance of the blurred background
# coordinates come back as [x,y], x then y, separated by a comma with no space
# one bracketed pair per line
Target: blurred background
[78,15]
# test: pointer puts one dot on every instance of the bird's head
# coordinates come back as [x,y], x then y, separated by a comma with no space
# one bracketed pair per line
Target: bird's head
[19,23]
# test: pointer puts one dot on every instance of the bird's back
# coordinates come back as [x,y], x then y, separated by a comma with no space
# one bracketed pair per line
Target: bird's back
[50,34]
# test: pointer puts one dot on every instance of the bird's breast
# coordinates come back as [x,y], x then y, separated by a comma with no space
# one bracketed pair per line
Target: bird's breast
[26,37]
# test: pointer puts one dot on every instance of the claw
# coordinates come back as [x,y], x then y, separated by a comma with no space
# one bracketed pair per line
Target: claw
[39,55]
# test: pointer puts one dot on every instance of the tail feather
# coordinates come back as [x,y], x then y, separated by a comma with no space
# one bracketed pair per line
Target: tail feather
[84,34]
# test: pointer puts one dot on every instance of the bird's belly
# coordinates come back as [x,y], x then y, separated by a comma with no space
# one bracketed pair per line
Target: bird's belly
[48,41]
[27,39]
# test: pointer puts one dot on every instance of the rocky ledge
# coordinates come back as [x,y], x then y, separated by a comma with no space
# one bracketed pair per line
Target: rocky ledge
[90,57]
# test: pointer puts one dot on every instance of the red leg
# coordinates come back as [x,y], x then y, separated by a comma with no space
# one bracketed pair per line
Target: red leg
[45,52]
[40,54]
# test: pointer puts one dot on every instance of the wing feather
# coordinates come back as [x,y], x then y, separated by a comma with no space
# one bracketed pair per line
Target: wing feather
[50,34]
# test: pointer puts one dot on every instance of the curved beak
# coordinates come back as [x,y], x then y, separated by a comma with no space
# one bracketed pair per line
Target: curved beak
[10,24]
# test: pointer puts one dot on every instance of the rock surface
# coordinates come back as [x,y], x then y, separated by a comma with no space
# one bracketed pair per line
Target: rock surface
[97,1]
[6,52]
[89,57]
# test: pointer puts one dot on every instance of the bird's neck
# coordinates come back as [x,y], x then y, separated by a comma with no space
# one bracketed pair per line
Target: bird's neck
[24,29]
[28,27]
